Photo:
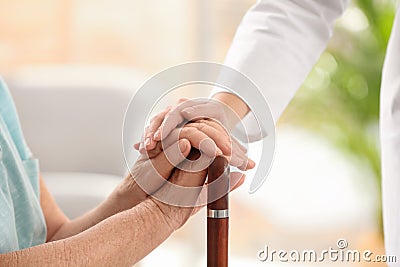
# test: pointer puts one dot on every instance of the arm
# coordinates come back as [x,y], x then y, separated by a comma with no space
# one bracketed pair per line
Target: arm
[128,194]
[276,45]
[60,227]
[120,240]
[124,238]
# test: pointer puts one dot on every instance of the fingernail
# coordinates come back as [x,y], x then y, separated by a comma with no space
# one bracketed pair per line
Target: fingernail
[189,110]
[141,147]
[252,163]
[156,134]
[182,146]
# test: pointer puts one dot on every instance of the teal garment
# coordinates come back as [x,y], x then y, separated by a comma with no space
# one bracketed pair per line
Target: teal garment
[22,222]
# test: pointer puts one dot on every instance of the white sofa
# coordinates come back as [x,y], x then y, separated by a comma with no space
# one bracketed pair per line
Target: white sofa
[72,119]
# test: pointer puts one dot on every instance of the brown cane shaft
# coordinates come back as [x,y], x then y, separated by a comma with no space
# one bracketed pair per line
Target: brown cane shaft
[217,210]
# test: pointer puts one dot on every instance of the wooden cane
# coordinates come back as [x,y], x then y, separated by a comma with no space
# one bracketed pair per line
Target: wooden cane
[218,214]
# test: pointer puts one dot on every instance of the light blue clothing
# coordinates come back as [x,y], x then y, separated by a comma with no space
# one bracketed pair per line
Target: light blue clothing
[22,222]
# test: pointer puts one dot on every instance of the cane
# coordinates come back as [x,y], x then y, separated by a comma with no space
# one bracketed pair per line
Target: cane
[218,214]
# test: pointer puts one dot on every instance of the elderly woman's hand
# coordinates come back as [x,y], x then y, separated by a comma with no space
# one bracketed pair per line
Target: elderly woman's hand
[153,168]
[149,173]
[185,192]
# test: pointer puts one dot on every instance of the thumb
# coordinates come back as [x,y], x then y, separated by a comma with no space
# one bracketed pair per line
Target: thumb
[155,172]
[165,162]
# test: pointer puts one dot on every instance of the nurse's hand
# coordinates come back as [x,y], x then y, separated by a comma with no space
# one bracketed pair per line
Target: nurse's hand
[198,129]
[163,123]
[225,107]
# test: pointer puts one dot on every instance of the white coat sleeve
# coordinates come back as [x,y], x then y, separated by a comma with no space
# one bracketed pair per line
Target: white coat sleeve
[390,143]
[277,44]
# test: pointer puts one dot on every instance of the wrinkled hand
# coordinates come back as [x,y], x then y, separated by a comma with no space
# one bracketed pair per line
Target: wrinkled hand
[189,201]
[149,176]
[151,171]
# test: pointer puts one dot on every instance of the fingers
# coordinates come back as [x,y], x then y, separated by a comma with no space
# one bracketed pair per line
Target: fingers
[148,175]
[206,135]
[212,130]
[148,142]
[216,132]
[174,118]
[207,110]
[184,187]
[163,123]
[241,161]
[211,138]
[171,121]
[197,139]
[239,158]
[153,173]
[165,162]
[236,143]
[154,152]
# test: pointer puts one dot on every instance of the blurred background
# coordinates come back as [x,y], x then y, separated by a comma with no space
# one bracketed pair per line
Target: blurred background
[72,67]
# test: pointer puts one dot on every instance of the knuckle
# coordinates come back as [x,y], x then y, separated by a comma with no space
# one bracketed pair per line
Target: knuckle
[187,130]
[159,116]
[198,125]
[154,119]
[203,121]
[182,99]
